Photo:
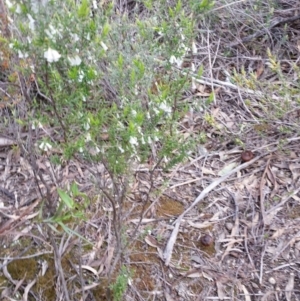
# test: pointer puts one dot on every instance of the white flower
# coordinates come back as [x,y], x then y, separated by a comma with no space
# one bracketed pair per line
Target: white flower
[22,55]
[87,125]
[80,76]
[81,150]
[133,112]
[36,124]
[75,37]
[18,9]
[193,67]
[97,150]
[177,61]
[95,5]
[184,47]
[9,4]
[133,141]
[75,61]
[51,55]
[149,140]
[164,107]
[51,32]
[194,48]
[156,111]
[45,146]
[172,59]
[194,85]
[121,149]
[31,22]
[88,137]
[103,46]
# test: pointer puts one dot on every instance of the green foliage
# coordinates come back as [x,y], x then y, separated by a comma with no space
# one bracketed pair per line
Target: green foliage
[110,90]
[83,10]
[71,209]
[203,6]
[119,287]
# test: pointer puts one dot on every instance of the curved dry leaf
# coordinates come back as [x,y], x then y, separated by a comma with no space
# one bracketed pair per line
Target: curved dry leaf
[227,168]
[168,296]
[271,176]
[151,241]
[208,171]
[289,287]
[206,276]
[88,268]
[109,256]
[246,293]
[6,142]
[278,233]
[27,289]
[220,290]
[203,225]
[295,170]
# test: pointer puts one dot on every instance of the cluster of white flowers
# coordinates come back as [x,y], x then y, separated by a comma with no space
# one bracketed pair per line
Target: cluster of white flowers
[166,108]
[45,146]
[80,76]
[53,33]
[22,55]
[174,60]
[36,125]
[75,60]
[52,55]
[74,37]
[133,141]
[184,50]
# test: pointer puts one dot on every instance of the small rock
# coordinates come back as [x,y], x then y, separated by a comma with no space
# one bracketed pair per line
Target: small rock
[229,226]
[206,240]
[272,280]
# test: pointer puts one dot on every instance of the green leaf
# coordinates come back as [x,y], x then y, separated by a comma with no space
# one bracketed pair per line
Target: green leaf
[210,98]
[105,30]
[204,4]
[83,10]
[74,189]
[200,71]
[66,198]
[70,231]
[120,61]
[178,6]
